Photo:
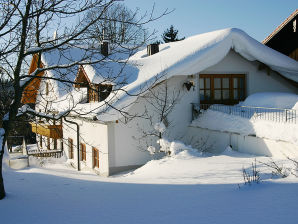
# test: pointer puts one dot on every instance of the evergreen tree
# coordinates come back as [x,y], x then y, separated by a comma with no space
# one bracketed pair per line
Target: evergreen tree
[171,35]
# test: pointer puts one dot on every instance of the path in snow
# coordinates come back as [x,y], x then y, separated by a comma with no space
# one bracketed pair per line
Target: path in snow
[193,190]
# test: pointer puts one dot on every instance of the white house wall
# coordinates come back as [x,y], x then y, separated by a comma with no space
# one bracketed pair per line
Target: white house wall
[217,141]
[92,134]
[129,148]
[126,150]
[256,80]
[119,142]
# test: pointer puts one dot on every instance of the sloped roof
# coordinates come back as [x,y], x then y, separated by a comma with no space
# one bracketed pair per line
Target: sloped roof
[191,56]
[187,57]
[282,25]
[97,67]
[111,72]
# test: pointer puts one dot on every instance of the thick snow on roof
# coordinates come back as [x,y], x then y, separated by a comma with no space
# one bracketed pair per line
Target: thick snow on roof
[193,55]
[93,59]
[62,59]
[111,72]
[186,57]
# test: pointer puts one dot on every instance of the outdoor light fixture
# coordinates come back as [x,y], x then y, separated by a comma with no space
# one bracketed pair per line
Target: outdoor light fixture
[189,84]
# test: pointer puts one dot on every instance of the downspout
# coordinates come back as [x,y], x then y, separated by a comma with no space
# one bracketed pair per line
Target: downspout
[78,140]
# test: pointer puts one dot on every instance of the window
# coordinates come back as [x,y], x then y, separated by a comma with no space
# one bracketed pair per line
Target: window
[83,152]
[95,154]
[70,148]
[99,92]
[222,88]
[55,144]
[104,91]
[47,88]
[40,141]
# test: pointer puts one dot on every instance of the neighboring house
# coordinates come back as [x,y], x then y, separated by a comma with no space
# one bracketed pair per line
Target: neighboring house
[285,37]
[223,66]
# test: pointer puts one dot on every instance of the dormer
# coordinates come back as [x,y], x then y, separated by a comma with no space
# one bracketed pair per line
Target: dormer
[97,91]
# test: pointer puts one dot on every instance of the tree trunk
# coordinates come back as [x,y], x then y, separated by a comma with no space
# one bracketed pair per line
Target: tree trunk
[2,189]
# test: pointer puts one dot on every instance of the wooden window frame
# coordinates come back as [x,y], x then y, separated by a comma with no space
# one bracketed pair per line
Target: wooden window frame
[231,100]
[99,92]
[70,148]
[47,88]
[83,151]
[95,157]
[55,144]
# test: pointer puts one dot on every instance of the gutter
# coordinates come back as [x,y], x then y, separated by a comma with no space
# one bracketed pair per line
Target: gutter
[78,140]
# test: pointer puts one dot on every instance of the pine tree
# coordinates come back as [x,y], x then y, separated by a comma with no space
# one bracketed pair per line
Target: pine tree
[171,35]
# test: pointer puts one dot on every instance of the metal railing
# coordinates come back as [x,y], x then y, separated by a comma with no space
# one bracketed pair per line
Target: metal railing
[262,113]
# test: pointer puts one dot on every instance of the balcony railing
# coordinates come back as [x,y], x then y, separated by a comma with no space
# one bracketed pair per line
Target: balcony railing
[46,153]
[262,113]
[51,131]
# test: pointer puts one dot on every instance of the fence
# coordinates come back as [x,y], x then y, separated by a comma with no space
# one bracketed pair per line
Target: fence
[46,153]
[262,113]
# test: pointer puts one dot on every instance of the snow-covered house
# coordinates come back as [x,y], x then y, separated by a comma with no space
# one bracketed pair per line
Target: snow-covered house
[105,131]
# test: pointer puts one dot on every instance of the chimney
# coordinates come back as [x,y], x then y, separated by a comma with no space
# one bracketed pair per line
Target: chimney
[104,48]
[152,49]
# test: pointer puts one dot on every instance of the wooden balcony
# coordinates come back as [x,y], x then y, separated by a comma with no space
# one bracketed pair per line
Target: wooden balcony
[51,131]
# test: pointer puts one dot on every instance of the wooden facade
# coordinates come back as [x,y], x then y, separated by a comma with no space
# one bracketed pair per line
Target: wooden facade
[96,92]
[50,131]
[285,37]
[31,90]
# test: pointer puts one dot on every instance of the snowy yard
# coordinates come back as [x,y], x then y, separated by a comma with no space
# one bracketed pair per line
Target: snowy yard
[186,188]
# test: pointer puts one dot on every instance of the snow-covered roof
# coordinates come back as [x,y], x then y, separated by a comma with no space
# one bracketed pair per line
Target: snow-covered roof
[193,55]
[97,67]
[186,57]
[111,72]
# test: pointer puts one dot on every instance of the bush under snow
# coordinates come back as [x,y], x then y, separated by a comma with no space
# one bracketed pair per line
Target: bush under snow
[160,127]
[173,147]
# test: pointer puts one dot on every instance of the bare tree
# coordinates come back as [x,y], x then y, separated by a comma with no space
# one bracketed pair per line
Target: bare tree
[26,31]
[121,25]
[160,101]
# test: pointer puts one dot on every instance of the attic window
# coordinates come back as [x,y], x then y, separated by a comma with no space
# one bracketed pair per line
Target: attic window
[99,92]
[294,26]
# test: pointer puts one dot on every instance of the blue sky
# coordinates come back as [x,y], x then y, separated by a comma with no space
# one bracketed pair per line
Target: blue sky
[256,17]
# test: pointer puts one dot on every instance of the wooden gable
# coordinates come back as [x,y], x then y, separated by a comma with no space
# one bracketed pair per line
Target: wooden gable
[284,37]
[31,90]
[82,79]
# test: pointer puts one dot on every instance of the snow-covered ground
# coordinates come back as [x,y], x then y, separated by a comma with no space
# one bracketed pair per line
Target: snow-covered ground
[185,188]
